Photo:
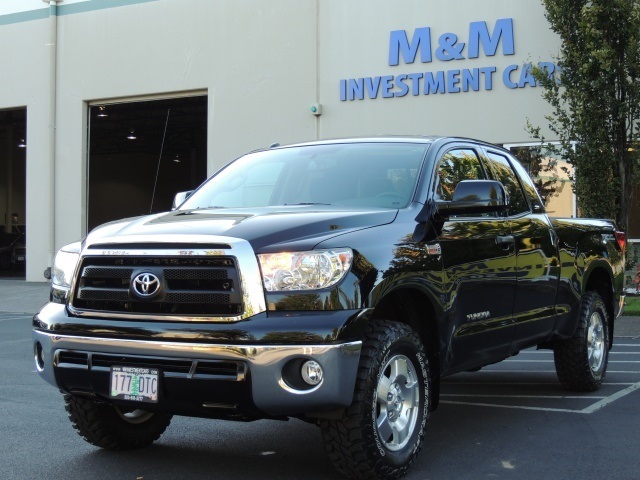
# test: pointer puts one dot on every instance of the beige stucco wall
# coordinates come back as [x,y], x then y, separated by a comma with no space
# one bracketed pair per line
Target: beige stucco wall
[24,83]
[355,43]
[262,64]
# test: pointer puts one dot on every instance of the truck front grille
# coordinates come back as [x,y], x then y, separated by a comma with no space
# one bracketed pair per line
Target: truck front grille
[191,286]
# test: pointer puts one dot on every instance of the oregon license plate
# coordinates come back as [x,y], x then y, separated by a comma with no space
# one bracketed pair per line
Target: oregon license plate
[135,384]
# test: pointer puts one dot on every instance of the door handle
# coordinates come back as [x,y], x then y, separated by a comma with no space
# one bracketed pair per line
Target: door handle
[506,241]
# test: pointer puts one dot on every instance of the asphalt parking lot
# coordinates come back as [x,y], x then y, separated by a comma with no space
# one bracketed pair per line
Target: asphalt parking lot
[528,382]
[511,420]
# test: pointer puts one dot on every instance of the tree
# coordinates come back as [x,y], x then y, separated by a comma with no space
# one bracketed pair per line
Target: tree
[595,100]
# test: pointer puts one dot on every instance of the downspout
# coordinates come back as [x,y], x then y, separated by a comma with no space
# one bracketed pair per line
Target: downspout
[318,131]
[53,59]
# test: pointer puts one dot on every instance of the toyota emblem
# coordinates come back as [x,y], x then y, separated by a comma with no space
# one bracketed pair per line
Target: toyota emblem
[146,284]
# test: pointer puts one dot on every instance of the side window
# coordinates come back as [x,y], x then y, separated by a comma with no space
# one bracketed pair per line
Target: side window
[504,174]
[455,166]
[529,186]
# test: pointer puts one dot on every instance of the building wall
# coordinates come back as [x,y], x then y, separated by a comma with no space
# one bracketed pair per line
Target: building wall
[354,42]
[25,83]
[262,65]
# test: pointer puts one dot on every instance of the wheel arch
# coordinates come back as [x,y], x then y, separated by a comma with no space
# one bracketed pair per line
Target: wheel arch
[415,309]
[599,279]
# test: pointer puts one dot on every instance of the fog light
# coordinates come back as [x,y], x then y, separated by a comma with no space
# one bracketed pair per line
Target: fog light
[312,372]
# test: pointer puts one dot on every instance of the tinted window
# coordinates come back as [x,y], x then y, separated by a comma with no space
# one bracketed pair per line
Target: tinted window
[504,174]
[455,166]
[529,186]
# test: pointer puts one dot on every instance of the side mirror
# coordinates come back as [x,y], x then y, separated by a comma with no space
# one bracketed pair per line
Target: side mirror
[179,198]
[474,197]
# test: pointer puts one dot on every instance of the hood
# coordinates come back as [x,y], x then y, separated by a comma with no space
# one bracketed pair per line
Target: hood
[266,229]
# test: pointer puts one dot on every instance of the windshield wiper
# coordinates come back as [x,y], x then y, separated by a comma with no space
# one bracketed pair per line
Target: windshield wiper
[306,203]
[192,210]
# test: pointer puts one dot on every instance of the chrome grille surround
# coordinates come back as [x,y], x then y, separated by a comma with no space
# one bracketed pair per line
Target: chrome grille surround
[160,250]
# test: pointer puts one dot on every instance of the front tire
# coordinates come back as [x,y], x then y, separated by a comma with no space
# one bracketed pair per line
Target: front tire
[381,433]
[113,428]
[581,361]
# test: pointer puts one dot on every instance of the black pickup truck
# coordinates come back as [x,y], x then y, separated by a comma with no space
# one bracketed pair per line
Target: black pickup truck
[334,281]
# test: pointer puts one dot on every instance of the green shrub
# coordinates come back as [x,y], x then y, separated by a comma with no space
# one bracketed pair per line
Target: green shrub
[632,307]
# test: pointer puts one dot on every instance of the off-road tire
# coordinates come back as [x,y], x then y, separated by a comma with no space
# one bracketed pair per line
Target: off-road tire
[581,361]
[112,428]
[393,366]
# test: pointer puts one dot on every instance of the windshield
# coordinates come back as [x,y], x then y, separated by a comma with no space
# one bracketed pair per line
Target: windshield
[357,174]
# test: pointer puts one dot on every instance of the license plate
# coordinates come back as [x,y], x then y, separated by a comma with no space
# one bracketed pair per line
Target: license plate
[134,384]
[21,259]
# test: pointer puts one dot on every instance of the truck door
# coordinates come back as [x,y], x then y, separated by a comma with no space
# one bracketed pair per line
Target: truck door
[479,270]
[536,255]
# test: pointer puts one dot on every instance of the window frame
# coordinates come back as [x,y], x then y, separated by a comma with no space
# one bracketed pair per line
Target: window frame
[479,153]
[509,146]
[509,159]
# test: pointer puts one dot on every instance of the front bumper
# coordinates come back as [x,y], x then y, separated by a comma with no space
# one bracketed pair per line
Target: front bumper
[260,385]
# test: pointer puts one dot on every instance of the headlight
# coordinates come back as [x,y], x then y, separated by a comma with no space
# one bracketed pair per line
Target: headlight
[64,265]
[304,270]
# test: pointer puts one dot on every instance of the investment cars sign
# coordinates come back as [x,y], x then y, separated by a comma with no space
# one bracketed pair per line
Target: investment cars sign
[448,48]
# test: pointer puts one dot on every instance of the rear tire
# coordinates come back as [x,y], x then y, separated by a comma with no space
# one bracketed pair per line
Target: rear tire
[581,361]
[113,428]
[381,433]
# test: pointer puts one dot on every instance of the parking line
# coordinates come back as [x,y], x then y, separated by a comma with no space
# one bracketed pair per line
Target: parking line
[523,384]
[549,397]
[7,342]
[551,361]
[542,361]
[512,407]
[552,371]
[527,361]
[585,411]
[602,402]
[15,318]
[611,398]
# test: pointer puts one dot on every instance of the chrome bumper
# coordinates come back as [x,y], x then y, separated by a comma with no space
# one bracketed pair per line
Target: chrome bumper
[265,363]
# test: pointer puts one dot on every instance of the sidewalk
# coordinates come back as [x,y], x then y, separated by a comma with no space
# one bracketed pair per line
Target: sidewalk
[18,296]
